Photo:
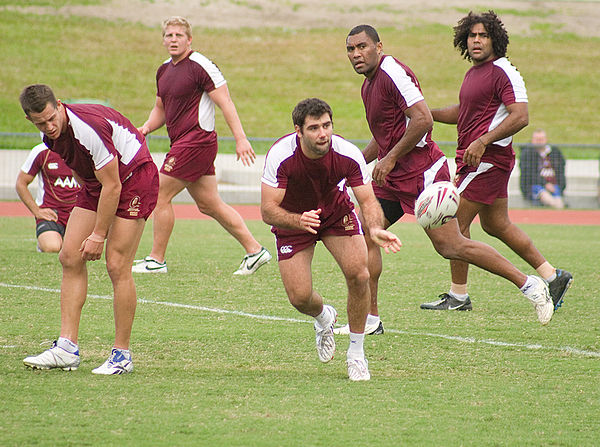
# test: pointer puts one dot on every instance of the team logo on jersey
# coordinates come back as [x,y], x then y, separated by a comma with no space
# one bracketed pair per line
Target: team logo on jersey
[348,223]
[285,249]
[67,182]
[53,165]
[134,206]
[169,164]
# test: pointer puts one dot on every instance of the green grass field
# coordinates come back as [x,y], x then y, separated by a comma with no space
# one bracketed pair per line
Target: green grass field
[270,70]
[226,361]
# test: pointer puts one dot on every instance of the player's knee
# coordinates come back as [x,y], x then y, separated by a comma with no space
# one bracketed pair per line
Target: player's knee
[117,269]
[495,229]
[70,259]
[358,276]
[300,300]
[446,249]
[49,242]
[211,207]
[50,246]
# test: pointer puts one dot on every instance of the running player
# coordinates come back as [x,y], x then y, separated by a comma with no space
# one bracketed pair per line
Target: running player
[408,161]
[189,85]
[492,108]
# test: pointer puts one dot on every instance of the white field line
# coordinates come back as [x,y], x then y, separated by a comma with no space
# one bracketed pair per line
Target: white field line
[529,346]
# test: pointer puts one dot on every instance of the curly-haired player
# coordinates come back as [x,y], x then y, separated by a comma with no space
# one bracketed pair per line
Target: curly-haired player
[492,108]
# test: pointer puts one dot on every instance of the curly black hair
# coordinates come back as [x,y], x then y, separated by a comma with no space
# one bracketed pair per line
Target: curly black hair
[492,24]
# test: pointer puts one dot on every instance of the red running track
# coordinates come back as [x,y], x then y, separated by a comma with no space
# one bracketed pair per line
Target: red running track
[252,212]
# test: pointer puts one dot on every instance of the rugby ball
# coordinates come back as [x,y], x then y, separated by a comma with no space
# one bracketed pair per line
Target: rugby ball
[436,205]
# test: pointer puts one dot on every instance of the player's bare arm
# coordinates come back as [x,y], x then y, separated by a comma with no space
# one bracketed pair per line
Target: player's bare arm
[370,151]
[517,119]
[446,115]
[108,176]
[373,216]
[243,148]
[23,180]
[273,214]
[156,119]
[420,123]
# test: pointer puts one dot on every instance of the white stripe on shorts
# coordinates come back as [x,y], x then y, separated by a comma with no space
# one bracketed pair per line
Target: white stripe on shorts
[483,167]
[429,175]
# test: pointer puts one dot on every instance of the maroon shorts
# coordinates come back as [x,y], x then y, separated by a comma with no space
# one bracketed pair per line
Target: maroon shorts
[290,244]
[483,184]
[406,191]
[138,194]
[189,164]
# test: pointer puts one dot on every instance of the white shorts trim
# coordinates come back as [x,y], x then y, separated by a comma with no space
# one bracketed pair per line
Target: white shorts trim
[483,167]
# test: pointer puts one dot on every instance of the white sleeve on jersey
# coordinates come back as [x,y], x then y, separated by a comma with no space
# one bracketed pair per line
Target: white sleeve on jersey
[402,80]
[280,151]
[520,93]
[345,147]
[35,151]
[209,67]
[91,141]
[514,77]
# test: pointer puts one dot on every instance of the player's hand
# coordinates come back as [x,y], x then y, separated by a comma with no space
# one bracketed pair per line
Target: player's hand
[91,248]
[309,220]
[386,240]
[47,214]
[382,168]
[144,130]
[473,154]
[551,188]
[244,152]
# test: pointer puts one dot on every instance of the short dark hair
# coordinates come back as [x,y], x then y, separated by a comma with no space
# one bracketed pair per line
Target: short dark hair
[368,29]
[493,26]
[314,107]
[34,98]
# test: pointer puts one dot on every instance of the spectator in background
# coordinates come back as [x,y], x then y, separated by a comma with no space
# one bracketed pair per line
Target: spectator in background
[542,172]
[56,196]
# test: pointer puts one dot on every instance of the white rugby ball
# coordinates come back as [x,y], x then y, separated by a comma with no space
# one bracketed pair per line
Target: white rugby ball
[436,205]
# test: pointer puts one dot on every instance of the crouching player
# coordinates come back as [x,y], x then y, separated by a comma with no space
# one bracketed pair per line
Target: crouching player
[119,181]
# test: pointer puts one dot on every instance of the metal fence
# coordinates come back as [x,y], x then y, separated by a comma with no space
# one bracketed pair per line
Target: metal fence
[240,184]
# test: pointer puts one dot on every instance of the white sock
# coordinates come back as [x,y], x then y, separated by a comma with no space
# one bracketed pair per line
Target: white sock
[67,345]
[356,349]
[528,285]
[551,277]
[459,297]
[373,320]
[324,318]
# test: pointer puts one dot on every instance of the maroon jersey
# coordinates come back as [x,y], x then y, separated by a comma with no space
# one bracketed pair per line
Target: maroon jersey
[95,135]
[546,168]
[189,111]
[386,96]
[313,184]
[57,188]
[485,92]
